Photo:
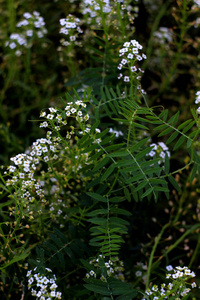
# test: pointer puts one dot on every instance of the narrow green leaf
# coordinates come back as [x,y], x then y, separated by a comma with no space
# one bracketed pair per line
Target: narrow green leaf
[164,114]
[142,153]
[97,221]
[100,211]
[118,221]
[161,127]
[116,199]
[149,191]
[96,197]
[141,185]
[166,131]
[188,127]
[101,164]
[119,153]
[174,119]
[174,183]
[108,172]
[120,211]
[179,142]
[160,189]
[139,144]
[172,137]
[189,143]
[140,126]
[193,173]
[181,126]
[99,288]
[127,194]
[114,147]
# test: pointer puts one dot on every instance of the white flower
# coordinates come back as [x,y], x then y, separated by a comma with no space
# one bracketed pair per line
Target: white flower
[50,116]
[124,61]
[133,69]
[126,79]
[139,58]
[135,50]
[138,274]
[73,110]
[169,268]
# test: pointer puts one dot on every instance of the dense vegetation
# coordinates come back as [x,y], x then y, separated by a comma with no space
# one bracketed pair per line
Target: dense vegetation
[99,149]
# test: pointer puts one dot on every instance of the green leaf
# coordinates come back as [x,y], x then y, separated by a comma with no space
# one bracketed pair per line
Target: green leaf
[166,131]
[108,172]
[142,153]
[141,185]
[95,212]
[17,258]
[174,119]
[99,287]
[163,115]
[174,183]
[97,221]
[184,124]
[172,137]
[179,142]
[114,147]
[189,143]
[193,173]
[139,144]
[188,127]
[137,125]
[161,127]
[101,164]
[120,211]
[96,197]
[119,154]
[118,221]
[127,194]
[149,191]
[116,199]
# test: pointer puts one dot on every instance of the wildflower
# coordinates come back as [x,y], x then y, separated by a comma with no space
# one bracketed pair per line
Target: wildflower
[126,79]
[193,284]
[70,27]
[197,98]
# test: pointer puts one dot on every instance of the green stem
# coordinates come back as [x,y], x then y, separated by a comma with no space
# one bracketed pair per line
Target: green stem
[12,15]
[150,263]
[196,253]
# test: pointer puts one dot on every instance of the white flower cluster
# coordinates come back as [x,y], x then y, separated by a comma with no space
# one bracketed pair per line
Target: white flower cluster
[177,287]
[141,271]
[24,172]
[70,27]
[93,10]
[159,150]
[131,54]
[93,7]
[114,268]
[32,26]
[116,132]
[25,166]
[197,101]
[43,287]
[163,35]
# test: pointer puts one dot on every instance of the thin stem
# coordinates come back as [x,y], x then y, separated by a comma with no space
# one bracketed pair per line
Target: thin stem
[150,263]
